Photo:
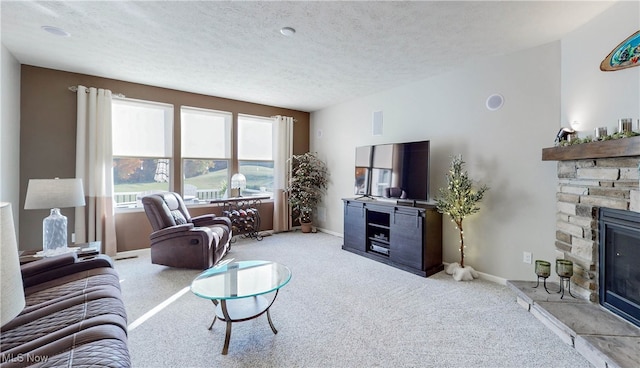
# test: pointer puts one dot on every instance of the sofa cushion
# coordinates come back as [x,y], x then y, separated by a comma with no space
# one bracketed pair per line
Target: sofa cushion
[68,286]
[76,319]
[102,345]
[55,321]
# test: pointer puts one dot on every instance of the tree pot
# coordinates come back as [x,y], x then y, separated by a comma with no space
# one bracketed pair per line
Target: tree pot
[306,227]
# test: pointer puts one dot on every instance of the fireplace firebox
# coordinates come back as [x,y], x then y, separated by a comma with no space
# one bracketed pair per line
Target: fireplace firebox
[619,267]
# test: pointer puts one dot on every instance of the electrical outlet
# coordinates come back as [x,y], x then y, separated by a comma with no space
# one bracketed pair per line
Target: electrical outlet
[526,257]
[73,238]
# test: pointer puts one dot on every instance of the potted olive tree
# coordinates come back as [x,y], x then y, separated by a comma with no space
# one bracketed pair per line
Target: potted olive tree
[459,200]
[309,177]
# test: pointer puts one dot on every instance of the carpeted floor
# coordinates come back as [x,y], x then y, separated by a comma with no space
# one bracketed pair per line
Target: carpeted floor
[338,310]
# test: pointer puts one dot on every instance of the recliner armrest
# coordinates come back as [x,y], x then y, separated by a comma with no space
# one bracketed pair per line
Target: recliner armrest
[211,219]
[50,268]
[171,230]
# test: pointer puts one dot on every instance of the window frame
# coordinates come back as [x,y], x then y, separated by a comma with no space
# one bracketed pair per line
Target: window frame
[239,160]
[168,121]
[228,151]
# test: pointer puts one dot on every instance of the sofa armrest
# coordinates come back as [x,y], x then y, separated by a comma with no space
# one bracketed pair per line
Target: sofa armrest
[169,231]
[47,269]
[48,264]
[211,219]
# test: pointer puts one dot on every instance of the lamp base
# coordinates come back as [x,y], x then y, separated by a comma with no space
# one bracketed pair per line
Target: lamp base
[54,234]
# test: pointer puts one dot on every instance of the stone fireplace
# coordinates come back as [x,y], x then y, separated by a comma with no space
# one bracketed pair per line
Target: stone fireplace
[585,186]
[596,181]
[591,176]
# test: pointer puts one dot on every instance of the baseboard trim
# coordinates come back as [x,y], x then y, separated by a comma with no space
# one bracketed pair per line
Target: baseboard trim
[319,229]
[129,254]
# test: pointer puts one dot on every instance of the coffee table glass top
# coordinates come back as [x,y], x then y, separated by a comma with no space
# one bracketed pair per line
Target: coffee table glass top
[240,279]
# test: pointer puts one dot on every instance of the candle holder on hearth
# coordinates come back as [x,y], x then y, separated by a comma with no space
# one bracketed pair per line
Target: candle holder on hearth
[564,269]
[543,270]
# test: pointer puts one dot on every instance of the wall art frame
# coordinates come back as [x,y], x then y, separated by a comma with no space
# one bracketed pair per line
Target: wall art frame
[625,55]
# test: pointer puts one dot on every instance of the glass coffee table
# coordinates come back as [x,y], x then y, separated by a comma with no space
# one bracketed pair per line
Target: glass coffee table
[236,289]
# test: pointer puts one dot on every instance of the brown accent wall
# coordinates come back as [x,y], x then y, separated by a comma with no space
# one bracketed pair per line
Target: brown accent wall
[47,140]
[133,228]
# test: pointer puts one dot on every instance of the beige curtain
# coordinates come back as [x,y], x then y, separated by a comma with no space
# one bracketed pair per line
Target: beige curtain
[95,221]
[283,150]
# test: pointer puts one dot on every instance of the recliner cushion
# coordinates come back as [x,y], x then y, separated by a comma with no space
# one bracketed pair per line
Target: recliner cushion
[178,217]
[171,201]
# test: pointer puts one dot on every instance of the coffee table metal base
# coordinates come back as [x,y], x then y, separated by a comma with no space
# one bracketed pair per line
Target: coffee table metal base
[239,310]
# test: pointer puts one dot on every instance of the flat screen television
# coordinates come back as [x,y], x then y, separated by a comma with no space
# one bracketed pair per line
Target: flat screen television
[401,166]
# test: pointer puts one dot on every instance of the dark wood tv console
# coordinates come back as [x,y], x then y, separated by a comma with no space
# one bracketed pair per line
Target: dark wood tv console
[406,236]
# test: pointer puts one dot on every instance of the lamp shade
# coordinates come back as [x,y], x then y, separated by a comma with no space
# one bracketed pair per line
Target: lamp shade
[238,181]
[12,292]
[54,193]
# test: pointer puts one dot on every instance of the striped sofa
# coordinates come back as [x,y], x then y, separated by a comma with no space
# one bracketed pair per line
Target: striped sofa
[74,316]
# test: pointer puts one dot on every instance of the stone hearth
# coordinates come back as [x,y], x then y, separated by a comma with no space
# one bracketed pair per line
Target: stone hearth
[603,338]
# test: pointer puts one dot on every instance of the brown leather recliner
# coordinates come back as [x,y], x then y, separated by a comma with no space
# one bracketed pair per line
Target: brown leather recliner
[395,192]
[179,240]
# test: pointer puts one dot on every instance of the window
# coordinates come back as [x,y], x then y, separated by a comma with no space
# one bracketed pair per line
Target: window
[255,154]
[142,146]
[206,153]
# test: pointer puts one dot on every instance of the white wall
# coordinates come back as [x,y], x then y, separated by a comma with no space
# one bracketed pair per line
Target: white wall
[545,88]
[501,148]
[10,131]
[590,96]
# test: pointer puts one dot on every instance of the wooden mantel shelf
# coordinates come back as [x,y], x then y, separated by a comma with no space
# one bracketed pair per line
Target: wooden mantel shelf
[622,147]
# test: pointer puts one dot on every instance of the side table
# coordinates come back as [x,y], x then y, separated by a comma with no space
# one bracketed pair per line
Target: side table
[83,250]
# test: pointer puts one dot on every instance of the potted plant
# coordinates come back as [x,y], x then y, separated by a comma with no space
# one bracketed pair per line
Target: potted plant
[459,200]
[309,177]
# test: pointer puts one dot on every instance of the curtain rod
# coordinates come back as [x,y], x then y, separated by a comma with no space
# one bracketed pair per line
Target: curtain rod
[75,89]
[294,119]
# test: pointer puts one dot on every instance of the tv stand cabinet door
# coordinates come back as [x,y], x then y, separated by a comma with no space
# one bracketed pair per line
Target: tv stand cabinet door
[354,226]
[406,238]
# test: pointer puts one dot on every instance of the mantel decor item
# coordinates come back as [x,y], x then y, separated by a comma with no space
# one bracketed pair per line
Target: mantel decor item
[459,200]
[308,182]
[54,194]
[543,269]
[625,125]
[625,55]
[564,134]
[600,133]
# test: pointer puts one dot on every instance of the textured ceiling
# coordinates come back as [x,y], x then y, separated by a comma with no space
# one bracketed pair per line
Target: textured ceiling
[340,51]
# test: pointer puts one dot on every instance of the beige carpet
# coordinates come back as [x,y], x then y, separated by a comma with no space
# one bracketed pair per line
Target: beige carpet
[338,310]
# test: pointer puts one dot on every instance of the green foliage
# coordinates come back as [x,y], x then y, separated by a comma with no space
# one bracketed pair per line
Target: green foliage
[309,179]
[459,199]
[590,139]
[193,168]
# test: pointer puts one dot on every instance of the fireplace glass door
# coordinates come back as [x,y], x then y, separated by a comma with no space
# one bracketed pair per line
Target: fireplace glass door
[619,263]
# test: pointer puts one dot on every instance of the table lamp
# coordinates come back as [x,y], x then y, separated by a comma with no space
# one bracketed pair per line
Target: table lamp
[12,292]
[238,181]
[55,194]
